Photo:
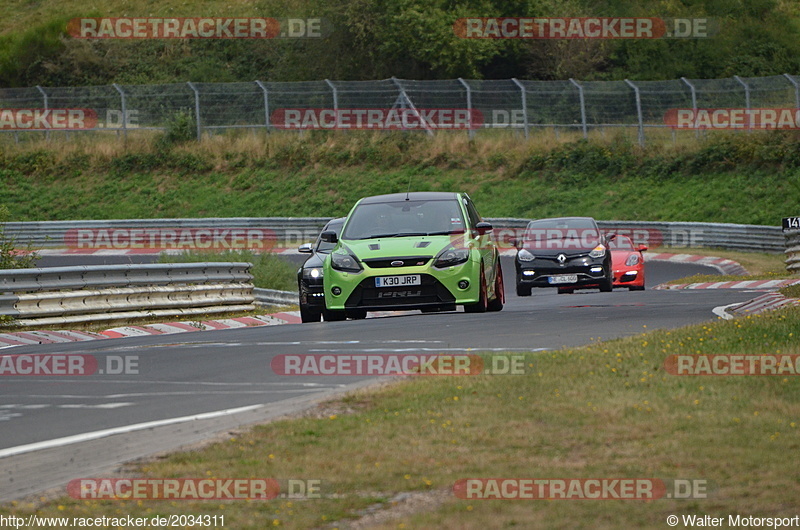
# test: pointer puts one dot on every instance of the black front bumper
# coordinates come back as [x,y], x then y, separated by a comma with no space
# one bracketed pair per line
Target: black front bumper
[430,293]
[541,269]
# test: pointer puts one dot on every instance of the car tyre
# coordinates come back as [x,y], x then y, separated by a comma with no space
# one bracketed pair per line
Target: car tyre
[499,291]
[481,305]
[309,315]
[333,315]
[607,285]
[523,290]
[357,314]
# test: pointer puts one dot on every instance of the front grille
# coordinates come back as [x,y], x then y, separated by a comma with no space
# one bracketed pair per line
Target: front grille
[430,292]
[407,261]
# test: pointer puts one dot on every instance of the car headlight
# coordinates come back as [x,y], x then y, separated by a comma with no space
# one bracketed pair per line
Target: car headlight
[524,255]
[342,260]
[312,273]
[632,260]
[450,256]
[598,252]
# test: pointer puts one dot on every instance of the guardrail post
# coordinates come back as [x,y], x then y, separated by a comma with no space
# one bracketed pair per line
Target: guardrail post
[44,97]
[469,106]
[196,110]
[124,111]
[524,105]
[638,110]
[266,104]
[583,107]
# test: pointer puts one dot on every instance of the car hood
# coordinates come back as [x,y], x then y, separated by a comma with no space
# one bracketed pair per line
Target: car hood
[389,247]
[618,257]
[566,247]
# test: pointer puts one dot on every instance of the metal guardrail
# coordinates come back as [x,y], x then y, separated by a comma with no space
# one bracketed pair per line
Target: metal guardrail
[275,297]
[60,295]
[792,250]
[289,232]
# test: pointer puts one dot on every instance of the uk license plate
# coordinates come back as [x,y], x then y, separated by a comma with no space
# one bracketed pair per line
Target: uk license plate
[398,281]
[563,278]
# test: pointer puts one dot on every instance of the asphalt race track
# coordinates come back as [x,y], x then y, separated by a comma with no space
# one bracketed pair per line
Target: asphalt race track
[198,373]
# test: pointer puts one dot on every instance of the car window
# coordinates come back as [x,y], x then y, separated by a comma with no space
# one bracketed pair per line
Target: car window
[562,233]
[474,218]
[324,246]
[621,243]
[399,218]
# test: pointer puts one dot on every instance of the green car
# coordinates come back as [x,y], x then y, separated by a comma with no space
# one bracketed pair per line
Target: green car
[420,250]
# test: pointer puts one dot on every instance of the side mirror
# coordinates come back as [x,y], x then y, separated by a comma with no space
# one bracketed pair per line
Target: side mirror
[642,247]
[483,227]
[305,248]
[329,236]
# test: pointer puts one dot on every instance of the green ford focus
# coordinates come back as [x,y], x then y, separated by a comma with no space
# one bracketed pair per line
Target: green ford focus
[419,250]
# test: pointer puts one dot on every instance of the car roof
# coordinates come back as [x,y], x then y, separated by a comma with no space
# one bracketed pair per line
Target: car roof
[412,196]
[338,220]
[564,219]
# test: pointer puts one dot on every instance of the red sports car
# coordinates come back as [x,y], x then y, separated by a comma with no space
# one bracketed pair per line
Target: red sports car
[627,262]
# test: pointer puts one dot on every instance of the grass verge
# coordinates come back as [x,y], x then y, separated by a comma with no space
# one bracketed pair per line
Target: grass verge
[269,271]
[605,410]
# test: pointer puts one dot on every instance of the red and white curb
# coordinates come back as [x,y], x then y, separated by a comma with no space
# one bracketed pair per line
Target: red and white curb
[723,265]
[746,284]
[765,302]
[22,338]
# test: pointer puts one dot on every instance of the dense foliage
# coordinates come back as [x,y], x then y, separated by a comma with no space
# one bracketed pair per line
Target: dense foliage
[413,39]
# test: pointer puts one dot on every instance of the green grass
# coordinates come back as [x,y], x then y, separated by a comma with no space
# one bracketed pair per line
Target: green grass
[605,410]
[269,271]
[324,174]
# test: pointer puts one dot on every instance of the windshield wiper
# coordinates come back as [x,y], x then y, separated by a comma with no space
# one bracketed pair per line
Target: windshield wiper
[409,234]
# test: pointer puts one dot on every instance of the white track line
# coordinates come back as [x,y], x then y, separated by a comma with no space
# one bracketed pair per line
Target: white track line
[68,440]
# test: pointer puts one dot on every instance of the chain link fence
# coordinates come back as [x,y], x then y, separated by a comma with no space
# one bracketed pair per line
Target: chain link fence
[524,106]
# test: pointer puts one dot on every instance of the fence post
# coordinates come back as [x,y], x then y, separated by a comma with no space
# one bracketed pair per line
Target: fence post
[694,104]
[124,104]
[638,110]
[746,101]
[583,107]
[44,97]
[524,105]
[469,106]
[196,109]
[335,95]
[266,104]
[406,99]
[796,90]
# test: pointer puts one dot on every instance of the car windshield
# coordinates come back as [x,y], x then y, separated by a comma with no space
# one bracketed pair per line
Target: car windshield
[621,243]
[404,218]
[324,246]
[562,233]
